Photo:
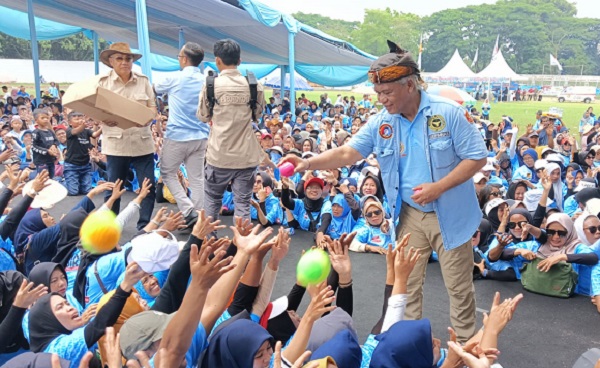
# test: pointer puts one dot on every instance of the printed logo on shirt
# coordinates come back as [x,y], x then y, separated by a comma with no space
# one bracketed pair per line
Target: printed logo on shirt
[436,123]
[469,117]
[386,131]
[402,149]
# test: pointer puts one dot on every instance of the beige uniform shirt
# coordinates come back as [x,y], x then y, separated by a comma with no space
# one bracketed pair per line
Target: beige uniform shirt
[231,142]
[131,142]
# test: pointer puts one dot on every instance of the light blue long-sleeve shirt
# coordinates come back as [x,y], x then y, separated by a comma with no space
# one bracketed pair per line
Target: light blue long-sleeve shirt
[184,92]
[449,138]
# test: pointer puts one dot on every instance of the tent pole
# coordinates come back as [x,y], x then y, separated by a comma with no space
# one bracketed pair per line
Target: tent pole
[292,65]
[34,52]
[143,37]
[181,38]
[282,69]
[96,53]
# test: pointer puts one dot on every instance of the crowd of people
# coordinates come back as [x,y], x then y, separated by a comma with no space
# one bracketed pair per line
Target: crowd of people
[364,181]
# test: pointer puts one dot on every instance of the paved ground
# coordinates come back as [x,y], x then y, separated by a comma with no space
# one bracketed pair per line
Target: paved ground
[545,332]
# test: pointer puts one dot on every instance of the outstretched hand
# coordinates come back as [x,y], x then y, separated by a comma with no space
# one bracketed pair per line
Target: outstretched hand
[250,243]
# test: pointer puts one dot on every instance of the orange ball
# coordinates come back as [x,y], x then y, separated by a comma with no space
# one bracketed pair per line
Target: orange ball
[100,232]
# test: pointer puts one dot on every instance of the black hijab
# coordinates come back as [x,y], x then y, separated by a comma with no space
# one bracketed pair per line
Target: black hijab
[586,194]
[512,188]
[493,218]
[10,282]
[485,233]
[523,212]
[42,272]
[44,327]
[69,235]
[281,327]
[379,193]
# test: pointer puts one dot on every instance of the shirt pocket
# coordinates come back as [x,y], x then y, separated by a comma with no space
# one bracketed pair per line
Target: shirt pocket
[385,157]
[442,154]
[113,134]
[141,98]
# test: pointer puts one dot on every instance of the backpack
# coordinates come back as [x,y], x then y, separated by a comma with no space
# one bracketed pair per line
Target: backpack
[252,84]
[559,281]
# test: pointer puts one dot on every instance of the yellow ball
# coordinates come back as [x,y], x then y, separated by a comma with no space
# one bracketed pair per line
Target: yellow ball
[313,267]
[100,232]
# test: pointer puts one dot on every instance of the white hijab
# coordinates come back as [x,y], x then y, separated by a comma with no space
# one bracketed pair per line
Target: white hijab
[579,227]
[558,186]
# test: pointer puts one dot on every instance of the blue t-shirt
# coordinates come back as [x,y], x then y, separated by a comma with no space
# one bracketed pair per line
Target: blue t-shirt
[374,236]
[304,218]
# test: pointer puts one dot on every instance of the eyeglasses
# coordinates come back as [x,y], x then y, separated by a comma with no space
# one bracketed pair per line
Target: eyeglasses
[592,229]
[513,225]
[495,194]
[373,213]
[561,233]
[589,158]
[120,59]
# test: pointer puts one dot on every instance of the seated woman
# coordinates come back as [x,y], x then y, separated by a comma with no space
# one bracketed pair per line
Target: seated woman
[265,206]
[313,213]
[371,185]
[527,171]
[516,191]
[56,327]
[587,227]
[378,231]
[509,252]
[496,212]
[53,276]
[343,217]
[558,192]
[559,243]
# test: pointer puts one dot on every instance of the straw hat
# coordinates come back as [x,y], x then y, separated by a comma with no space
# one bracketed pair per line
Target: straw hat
[117,48]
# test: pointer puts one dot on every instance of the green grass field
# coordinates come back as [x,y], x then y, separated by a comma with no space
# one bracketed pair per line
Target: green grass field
[522,113]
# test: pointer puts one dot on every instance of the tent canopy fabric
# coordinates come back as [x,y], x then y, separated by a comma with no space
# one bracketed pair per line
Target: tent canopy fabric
[261,32]
[455,68]
[498,68]
[301,84]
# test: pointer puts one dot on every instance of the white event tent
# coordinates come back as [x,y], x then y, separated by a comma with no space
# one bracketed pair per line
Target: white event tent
[455,68]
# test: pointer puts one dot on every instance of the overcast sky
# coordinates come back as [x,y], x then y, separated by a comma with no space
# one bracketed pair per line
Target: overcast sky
[353,10]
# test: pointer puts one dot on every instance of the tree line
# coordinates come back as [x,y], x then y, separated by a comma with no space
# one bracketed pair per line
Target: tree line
[529,31]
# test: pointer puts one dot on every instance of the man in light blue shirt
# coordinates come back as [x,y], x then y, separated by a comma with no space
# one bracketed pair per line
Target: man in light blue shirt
[186,137]
[428,151]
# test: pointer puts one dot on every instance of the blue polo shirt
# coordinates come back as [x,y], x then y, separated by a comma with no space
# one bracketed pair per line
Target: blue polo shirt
[184,92]
[447,138]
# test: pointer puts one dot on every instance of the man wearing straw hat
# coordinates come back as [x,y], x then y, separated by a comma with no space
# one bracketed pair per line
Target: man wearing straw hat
[428,153]
[134,146]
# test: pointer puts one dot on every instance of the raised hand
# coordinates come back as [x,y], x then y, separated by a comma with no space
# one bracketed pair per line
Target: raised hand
[161,215]
[501,313]
[340,260]
[206,272]
[133,274]
[404,262]
[280,249]
[205,225]
[320,304]
[144,190]
[504,239]
[89,313]
[479,361]
[112,348]
[100,188]
[299,363]
[175,221]
[27,294]
[40,180]
[250,243]
[117,192]
[244,226]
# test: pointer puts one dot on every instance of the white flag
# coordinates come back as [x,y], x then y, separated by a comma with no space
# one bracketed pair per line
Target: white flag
[554,61]
[475,58]
[496,48]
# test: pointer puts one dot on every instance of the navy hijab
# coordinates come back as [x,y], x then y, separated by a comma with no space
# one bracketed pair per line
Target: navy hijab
[407,344]
[30,224]
[343,348]
[41,273]
[235,345]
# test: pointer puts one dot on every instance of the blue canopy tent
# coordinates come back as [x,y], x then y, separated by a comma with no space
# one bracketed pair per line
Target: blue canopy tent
[300,84]
[265,35]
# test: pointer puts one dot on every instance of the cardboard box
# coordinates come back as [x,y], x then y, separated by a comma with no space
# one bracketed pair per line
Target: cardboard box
[102,104]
